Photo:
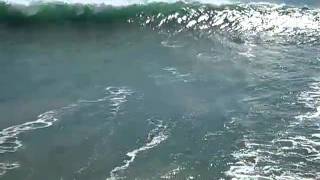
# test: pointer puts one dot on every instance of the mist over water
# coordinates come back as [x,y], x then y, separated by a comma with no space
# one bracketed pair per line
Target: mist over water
[159,90]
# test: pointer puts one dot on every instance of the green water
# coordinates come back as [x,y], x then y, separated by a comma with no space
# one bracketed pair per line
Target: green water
[132,101]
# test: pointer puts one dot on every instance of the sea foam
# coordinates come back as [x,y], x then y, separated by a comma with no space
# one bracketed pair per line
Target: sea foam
[9,137]
[293,153]
[155,137]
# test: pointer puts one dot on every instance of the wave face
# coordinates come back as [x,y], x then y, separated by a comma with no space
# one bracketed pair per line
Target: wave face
[240,22]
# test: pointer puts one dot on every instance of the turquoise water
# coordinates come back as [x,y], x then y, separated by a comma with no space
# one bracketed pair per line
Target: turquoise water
[159,91]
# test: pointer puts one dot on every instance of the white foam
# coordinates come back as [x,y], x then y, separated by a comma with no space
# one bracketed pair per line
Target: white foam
[172,173]
[7,166]
[171,44]
[272,159]
[9,137]
[9,141]
[178,76]
[117,96]
[153,142]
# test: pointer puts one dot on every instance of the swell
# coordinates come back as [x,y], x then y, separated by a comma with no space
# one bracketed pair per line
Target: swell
[158,12]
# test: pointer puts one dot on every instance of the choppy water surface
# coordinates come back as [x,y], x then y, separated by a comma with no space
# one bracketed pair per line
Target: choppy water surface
[159,91]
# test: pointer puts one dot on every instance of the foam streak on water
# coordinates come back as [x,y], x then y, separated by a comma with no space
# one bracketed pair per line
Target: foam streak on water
[117,97]
[9,141]
[294,153]
[9,137]
[155,137]
[178,76]
[7,166]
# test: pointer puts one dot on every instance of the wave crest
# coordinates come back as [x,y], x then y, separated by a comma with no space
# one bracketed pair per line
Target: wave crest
[240,22]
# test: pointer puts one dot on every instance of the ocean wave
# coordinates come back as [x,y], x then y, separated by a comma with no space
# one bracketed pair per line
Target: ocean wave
[257,22]
[241,22]
[117,3]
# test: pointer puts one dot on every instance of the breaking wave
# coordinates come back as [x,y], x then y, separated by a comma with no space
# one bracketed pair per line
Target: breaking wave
[240,22]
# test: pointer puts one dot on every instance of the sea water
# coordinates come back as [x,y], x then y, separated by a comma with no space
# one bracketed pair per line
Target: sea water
[159,90]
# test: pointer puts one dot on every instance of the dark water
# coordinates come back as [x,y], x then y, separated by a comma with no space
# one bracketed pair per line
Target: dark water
[160,91]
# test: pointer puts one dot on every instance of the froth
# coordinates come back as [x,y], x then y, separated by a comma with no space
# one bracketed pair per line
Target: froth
[293,153]
[155,137]
[117,97]
[9,137]
[8,166]
[9,141]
